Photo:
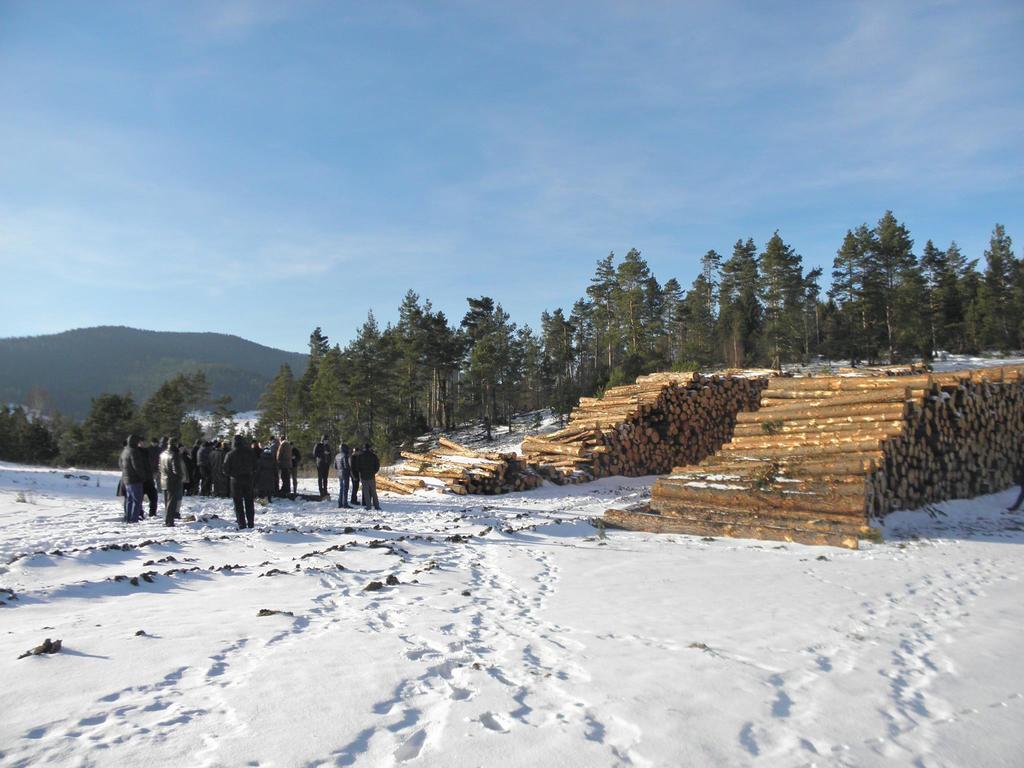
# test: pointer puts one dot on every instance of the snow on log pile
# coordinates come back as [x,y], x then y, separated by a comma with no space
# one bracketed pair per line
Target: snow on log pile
[645,428]
[823,455]
[462,470]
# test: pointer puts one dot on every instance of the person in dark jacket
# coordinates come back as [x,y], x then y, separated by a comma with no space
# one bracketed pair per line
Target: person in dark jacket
[203,461]
[344,470]
[353,463]
[221,482]
[196,473]
[296,460]
[322,458]
[369,466]
[186,470]
[266,475]
[187,487]
[239,467]
[172,479]
[149,487]
[134,463]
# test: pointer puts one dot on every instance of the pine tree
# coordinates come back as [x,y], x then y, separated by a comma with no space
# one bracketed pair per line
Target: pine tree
[103,432]
[849,321]
[223,417]
[602,294]
[166,409]
[947,300]
[632,284]
[889,260]
[364,371]
[782,289]
[810,312]
[559,355]
[329,396]
[278,406]
[698,325]
[933,263]
[1001,316]
[740,311]
[319,344]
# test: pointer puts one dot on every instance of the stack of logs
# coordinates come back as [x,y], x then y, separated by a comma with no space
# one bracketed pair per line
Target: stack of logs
[662,420]
[462,470]
[824,454]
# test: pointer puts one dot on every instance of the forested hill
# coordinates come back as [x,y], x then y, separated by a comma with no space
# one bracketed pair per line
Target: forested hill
[75,366]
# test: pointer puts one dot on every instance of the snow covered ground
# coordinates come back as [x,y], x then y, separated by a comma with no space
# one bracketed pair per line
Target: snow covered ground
[516,635]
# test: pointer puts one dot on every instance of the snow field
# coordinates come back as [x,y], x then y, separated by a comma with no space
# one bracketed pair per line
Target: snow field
[515,636]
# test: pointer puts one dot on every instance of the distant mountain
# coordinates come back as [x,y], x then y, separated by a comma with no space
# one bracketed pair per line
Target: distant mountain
[75,366]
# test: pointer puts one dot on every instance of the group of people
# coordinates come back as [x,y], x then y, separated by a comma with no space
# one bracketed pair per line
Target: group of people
[354,467]
[243,472]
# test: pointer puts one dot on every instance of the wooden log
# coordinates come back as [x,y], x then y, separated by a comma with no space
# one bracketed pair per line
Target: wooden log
[645,521]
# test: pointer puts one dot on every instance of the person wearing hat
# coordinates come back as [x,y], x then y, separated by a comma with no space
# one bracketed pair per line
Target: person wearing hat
[172,479]
[322,457]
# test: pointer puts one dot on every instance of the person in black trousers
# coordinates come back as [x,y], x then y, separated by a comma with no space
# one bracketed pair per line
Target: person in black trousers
[149,488]
[353,464]
[322,457]
[369,466]
[205,475]
[240,466]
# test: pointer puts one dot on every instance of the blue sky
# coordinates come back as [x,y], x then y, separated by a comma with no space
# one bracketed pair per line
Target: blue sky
[261,168]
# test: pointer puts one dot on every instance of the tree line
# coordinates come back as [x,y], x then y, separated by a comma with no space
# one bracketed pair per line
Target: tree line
[755,307]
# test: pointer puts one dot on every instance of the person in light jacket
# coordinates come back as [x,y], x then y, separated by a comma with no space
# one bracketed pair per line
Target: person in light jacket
[172,480]
[284,465]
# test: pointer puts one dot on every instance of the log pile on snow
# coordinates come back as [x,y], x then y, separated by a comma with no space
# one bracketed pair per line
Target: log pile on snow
[462,470]
[823,455]
[662,420]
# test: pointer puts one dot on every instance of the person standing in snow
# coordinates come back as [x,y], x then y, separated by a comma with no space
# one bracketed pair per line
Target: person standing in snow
[134,465]
[354,467]
[274,445]
[322,459]
[284,465]
[266,475]
[203,460]
[195,472]
[369,466]
[239,465]
[153,456]
[296,460]
[221,482]
[187,471]
[172,478]
[344,470]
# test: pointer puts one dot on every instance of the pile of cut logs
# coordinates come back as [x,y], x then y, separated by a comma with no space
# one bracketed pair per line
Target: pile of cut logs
[824,454]
[906,369]
[462,470]
[662,420]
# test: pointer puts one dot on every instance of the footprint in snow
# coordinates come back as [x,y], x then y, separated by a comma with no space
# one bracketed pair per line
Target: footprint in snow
[411,747]
[493,722]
